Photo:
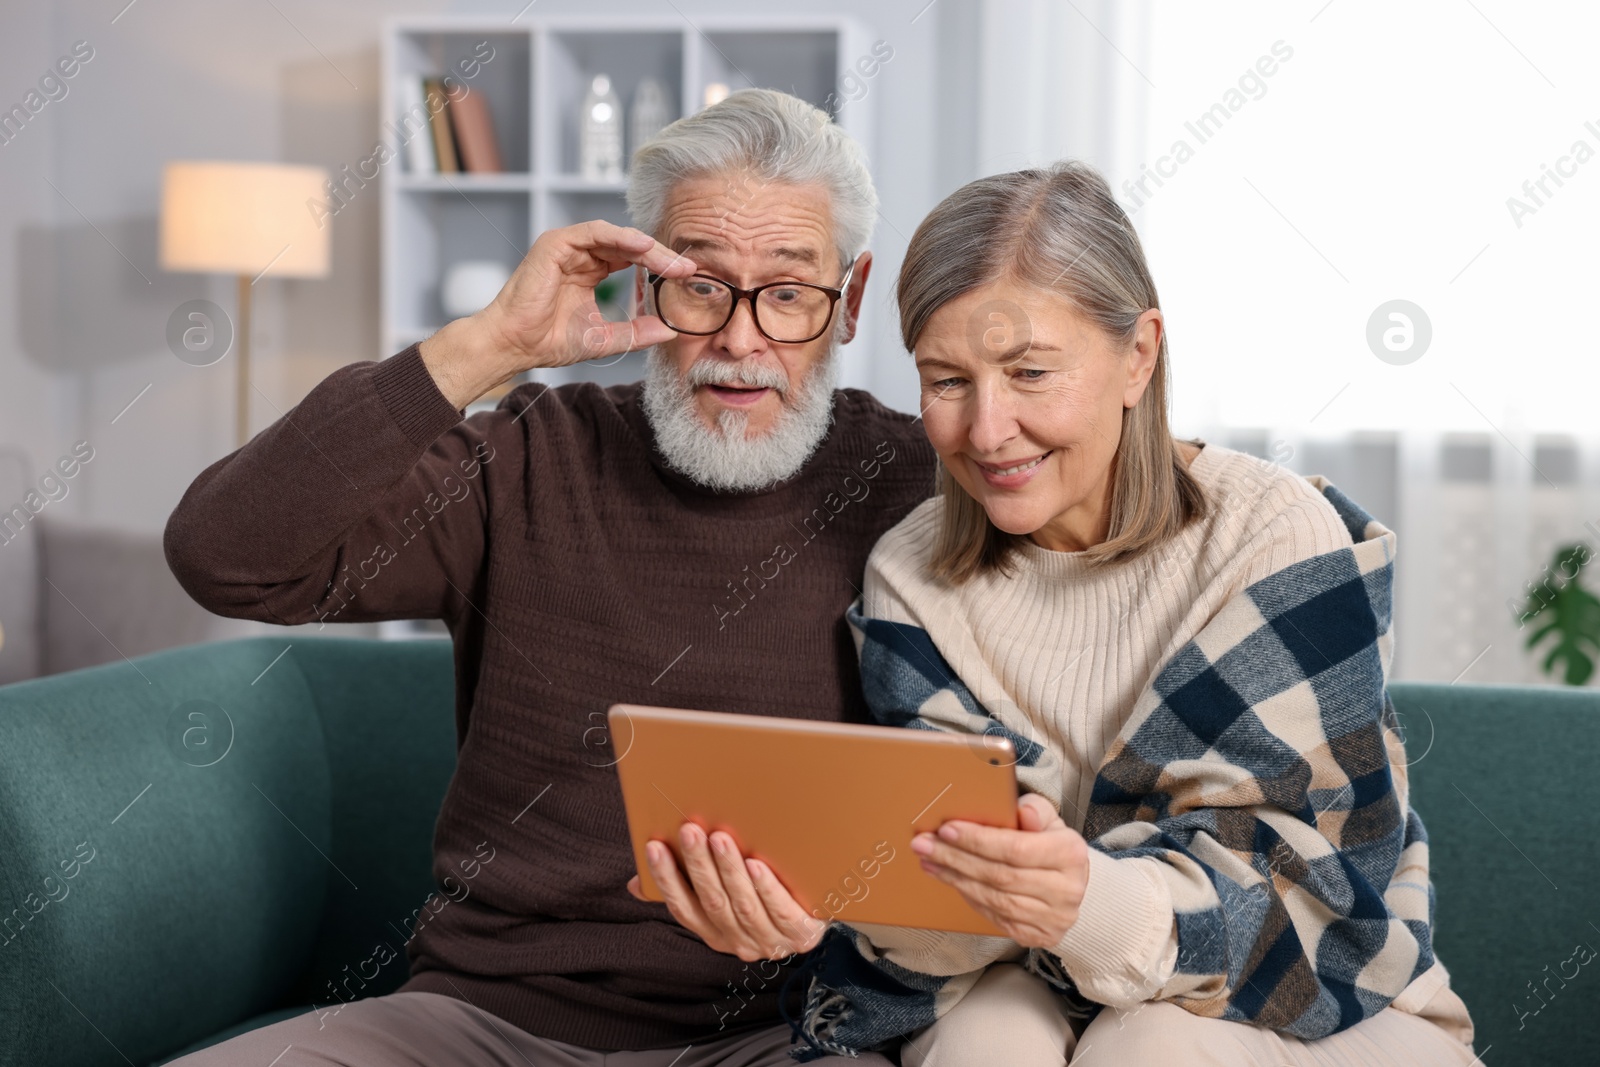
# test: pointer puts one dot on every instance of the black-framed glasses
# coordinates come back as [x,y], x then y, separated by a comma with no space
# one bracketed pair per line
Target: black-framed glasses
[788,313]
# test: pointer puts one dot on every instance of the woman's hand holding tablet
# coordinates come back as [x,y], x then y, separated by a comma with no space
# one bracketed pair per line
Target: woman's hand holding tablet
[1028,881]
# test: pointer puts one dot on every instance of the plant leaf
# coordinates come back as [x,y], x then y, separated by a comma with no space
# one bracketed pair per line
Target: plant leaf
[1571,615]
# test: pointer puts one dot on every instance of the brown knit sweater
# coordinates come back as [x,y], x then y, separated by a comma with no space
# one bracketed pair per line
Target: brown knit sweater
[574,571]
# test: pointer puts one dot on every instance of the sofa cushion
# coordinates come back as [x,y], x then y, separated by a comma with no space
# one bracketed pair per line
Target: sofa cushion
[111,594]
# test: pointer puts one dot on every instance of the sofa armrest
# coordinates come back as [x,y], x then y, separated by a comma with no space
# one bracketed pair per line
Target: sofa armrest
[160,823]
[203,835]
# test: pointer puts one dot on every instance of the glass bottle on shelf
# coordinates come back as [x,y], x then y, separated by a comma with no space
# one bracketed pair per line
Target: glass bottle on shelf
[600,143]
[649,115]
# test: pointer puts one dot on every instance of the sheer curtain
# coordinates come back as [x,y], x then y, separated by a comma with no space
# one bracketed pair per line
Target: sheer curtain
[1295,170]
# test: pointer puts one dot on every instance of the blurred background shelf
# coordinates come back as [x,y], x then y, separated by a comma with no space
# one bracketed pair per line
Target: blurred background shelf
[534,82]
[449,183]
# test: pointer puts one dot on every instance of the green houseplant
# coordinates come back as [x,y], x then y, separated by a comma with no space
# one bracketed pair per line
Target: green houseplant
[1565,610]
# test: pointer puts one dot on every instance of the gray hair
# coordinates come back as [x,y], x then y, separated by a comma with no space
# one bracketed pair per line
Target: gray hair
[1059,229]
[767,136]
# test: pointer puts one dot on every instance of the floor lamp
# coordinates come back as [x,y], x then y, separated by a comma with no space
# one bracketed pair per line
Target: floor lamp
[252,220]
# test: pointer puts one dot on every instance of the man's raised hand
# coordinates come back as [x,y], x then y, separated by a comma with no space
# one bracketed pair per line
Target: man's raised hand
[546,315]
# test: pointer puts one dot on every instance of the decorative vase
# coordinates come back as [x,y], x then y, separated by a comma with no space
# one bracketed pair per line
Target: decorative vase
[470,285]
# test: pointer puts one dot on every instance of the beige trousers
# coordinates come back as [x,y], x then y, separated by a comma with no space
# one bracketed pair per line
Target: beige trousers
[431,1030]
[1011,1017]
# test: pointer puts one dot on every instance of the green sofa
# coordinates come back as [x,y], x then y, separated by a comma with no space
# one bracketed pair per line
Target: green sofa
[208,839]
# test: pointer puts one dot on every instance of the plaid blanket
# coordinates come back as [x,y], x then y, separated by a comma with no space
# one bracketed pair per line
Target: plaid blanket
[1263,767]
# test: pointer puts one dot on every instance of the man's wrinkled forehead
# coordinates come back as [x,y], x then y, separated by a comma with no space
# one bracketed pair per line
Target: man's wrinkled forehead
[780,224]
[693,247]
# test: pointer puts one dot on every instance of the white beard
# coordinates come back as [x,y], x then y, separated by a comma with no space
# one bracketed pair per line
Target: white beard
[726,457]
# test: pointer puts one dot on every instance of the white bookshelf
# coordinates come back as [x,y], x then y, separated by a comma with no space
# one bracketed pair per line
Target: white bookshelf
[534,85]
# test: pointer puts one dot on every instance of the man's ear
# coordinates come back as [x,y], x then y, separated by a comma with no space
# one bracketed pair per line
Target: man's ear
[638,291]
[852,295]
[1142,357]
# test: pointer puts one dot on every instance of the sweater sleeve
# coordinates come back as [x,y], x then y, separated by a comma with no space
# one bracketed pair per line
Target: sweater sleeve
[366,501]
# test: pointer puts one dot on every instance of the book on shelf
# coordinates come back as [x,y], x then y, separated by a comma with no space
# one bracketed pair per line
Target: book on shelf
[443,138]
[476,145]
[458,135]
[417,128]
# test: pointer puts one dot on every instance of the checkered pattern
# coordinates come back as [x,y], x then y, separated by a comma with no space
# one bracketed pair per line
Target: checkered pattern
[1263,768]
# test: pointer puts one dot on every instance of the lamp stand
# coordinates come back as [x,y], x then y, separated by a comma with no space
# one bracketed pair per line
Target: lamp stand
[241,370]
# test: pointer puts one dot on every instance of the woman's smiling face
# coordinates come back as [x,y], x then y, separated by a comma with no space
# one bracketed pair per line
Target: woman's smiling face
[1022,397]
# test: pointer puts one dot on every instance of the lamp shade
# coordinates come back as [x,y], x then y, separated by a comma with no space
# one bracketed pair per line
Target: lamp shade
[243,218]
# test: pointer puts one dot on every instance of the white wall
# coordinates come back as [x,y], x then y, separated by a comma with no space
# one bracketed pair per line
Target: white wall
[33,398]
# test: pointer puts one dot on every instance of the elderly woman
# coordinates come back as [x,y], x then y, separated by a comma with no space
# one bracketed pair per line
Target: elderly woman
[1216,861]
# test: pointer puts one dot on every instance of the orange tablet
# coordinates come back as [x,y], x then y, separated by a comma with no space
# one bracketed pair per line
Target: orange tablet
[830,807]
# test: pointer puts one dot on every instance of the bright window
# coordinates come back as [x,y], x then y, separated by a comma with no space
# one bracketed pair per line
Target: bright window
[1375,162]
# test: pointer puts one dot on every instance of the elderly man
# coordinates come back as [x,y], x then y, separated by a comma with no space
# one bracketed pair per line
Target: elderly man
[691,540]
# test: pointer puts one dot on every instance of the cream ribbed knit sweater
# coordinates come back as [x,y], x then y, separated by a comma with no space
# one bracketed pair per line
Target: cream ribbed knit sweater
[1060,654]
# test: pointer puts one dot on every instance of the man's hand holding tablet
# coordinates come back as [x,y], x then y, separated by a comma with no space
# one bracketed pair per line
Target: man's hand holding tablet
[735,903]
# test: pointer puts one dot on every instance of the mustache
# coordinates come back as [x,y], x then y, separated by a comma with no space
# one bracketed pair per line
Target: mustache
[713,371]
